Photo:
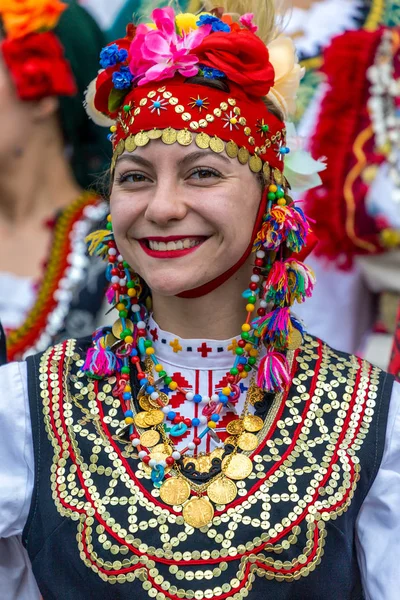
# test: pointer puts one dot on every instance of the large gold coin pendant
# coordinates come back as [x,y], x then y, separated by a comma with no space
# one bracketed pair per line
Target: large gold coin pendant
[175,491]
[247,441]
[222,491]
[237,467]
[198,512]
[252,423]
[150,438]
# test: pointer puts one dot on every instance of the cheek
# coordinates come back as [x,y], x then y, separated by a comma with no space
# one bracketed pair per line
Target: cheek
[124,211]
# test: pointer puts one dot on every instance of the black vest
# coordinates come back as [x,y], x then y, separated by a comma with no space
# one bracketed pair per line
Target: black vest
[98,528]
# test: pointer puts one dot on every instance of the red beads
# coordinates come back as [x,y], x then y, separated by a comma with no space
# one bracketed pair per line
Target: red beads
[170,461]
[197,441]
[146,459]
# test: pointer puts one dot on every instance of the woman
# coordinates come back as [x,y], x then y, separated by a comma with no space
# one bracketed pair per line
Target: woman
[236,456]
[50,153]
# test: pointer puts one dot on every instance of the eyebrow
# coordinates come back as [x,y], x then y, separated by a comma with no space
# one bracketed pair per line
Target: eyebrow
[193,156]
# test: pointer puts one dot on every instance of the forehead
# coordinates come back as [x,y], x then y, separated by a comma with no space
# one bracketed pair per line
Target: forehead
[158,153]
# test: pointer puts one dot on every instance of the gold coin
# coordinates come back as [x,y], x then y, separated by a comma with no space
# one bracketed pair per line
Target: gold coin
[253,423]
[278,176]
[235,427]
[142,138]
[169,136]
[149,438]
[231,440]
[175,491]
[118,328]
[145,403]
[184,137]
[163,397]
[237,467]
[243,155]
[154,134]
[203,140]
[267,171]
[232,149]
[140,420]
[119,148]
[198,512]
[159,452]
[154,417]
[296,340]
[110,340]
[222,491]
[216,144]
[130,144]
[247,441]
[255,164]
[204,464]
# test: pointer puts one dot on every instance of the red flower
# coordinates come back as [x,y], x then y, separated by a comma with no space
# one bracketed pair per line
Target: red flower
[38,66]
[242,56]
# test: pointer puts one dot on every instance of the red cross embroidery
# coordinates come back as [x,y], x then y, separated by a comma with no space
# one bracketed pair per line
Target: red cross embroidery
[154,334]
[204,349]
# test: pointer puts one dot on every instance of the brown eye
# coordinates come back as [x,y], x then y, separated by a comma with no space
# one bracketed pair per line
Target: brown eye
[203,173]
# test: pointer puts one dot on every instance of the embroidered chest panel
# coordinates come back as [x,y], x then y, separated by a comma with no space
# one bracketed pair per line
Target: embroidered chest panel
[305,474]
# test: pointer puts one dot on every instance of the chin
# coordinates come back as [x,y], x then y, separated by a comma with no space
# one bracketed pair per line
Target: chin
[171,283]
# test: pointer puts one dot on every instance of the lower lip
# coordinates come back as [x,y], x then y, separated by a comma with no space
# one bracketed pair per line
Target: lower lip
[168,253]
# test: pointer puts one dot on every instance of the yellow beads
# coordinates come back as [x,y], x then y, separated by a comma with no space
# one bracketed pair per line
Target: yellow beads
[149,351]
[226,391]
[128,420]
[158,368]
[250,307]
[212,424]
[131,292]
[173,386]
[129,339]
[282,202]
[246,327]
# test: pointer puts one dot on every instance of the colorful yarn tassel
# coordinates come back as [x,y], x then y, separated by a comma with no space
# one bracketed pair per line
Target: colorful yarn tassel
[277,285]
[100,360]
[283,225]
[275,327]
[288,281]
[97,242]
[301,280]
[273,372]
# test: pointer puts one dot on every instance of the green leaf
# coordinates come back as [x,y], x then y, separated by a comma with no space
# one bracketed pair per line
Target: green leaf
[116,98]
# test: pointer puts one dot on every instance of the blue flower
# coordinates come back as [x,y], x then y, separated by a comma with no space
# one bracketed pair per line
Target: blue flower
[122,79]
[210,73]
[112,55]
[216,24]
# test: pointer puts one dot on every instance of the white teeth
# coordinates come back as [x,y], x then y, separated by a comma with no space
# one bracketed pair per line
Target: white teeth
[171,246]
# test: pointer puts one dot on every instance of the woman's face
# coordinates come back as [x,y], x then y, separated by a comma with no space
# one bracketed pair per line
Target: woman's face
[182,216]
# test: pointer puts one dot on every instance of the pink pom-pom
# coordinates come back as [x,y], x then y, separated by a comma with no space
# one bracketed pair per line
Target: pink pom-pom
[273,372]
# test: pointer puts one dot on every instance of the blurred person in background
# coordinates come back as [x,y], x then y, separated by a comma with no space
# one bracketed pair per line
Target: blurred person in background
[357,260]
[50,155]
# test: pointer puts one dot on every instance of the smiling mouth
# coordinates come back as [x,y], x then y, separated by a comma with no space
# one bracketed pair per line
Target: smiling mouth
[171,247]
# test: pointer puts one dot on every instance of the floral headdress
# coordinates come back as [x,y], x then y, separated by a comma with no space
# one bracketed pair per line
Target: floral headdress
[32,53]
[150,88]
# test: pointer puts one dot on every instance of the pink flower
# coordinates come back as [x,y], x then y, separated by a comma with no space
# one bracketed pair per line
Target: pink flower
[157,54]
[247,21]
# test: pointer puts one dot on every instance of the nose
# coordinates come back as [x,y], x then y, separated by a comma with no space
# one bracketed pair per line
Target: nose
[166,204]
